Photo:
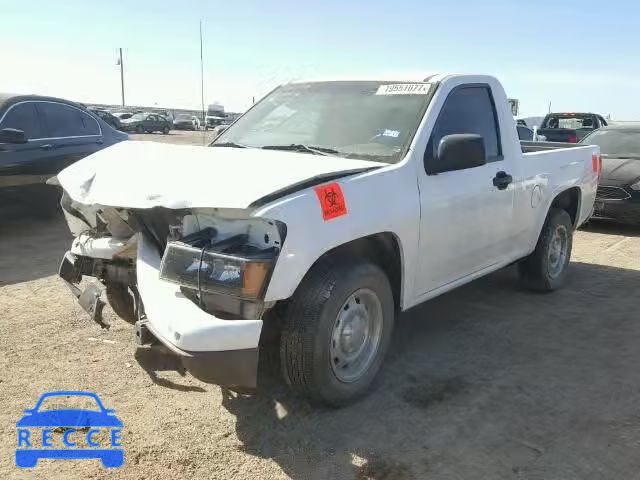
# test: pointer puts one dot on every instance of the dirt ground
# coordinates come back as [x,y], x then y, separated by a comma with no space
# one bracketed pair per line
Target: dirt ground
[488,381]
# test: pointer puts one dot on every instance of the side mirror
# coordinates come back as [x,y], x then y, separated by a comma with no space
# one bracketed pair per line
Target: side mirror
[457,152]
[12,135]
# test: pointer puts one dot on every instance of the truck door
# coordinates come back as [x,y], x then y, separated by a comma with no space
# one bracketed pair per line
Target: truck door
[466,215]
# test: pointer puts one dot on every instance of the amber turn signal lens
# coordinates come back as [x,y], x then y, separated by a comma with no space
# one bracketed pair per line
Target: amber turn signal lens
[254,276]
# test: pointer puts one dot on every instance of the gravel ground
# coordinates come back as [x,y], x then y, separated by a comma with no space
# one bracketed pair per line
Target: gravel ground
[488,381]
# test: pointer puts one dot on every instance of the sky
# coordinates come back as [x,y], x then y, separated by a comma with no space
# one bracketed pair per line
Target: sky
[577,54]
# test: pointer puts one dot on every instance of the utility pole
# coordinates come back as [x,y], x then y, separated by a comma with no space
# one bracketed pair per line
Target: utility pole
[549,107]
[121,63]
[201,75]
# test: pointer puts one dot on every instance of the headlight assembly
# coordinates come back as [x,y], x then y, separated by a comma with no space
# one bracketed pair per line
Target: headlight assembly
[239,270]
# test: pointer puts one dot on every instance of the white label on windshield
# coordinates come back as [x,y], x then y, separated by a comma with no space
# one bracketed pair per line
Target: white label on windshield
[404,89]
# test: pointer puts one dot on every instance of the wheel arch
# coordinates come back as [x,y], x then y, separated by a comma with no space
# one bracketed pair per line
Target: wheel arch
[569,200]
[383,249]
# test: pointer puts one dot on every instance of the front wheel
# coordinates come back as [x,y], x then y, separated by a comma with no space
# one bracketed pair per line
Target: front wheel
[165,130]
[337,331]
[545,269]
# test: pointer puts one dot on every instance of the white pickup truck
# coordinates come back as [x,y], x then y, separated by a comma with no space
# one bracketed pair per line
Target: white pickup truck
[323,212]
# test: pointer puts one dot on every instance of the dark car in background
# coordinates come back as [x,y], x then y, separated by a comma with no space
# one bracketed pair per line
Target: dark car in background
[524,132]
[146,123]
[184,121]
[39,136]
[106,116]
[618,195]
[570,127]
[123,115]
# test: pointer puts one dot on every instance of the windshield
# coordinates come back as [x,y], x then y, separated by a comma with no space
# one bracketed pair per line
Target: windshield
[616,142]
[365,120]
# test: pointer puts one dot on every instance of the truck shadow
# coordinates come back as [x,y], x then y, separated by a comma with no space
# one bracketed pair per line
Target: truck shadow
[157,359]
[489,364]
[31,248]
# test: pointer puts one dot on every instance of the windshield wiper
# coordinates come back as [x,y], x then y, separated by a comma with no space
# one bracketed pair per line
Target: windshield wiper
[299,147]
[229,144]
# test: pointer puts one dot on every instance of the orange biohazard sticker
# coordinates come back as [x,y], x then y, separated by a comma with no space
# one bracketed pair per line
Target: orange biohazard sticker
[331,201]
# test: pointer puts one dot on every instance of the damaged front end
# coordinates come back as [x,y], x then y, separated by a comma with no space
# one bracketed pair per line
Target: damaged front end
[192,279]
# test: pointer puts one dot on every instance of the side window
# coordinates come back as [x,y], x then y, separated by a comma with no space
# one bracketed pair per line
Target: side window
[468,110]
[91,127]
[603,122]
[24,117]
[66,121]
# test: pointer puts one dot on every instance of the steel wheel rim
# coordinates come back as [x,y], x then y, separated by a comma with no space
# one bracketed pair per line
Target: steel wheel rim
[558,251]
[356,335]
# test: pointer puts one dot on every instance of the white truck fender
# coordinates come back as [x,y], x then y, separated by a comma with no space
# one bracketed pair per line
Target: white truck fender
[378,201]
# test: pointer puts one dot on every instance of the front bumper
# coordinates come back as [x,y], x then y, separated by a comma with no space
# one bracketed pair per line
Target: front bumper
[184,126]
[214,350]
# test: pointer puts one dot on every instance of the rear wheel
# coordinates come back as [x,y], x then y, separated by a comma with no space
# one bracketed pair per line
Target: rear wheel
[337,331]
[546,268]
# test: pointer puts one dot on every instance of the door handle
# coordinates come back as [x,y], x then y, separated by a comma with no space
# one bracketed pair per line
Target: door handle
[47,146]
[502,180]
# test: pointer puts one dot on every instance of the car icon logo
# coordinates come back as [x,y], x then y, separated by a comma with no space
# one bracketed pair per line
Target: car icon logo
[71,420]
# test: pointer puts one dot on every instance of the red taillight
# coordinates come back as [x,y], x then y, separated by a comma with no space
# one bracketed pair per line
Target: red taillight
[573,138]
[596,163]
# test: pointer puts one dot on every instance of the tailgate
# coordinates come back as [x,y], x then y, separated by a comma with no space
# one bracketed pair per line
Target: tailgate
[559,134]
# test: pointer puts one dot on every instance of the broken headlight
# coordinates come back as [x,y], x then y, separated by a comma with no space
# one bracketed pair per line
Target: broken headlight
[229,267]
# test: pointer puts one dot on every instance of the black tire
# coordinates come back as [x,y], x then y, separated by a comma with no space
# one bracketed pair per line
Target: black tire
[536,270]
[122,300]
[309,322]
[165,130]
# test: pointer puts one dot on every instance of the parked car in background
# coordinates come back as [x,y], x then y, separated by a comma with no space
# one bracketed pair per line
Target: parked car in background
[122,115]
[217,131]
[529,134]
[570,127]
[524,132]
[146,123]
[320,232]
[184,121]
[39,136]
[618,196]
[106,116]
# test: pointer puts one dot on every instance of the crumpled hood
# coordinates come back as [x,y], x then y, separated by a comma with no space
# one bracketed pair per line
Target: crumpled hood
[136,174]
[620,171]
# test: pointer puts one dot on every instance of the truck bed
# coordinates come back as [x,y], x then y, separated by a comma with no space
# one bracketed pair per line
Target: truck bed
[529,146]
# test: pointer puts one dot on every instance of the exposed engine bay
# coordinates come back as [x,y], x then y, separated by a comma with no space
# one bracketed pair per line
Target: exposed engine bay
[221,259]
